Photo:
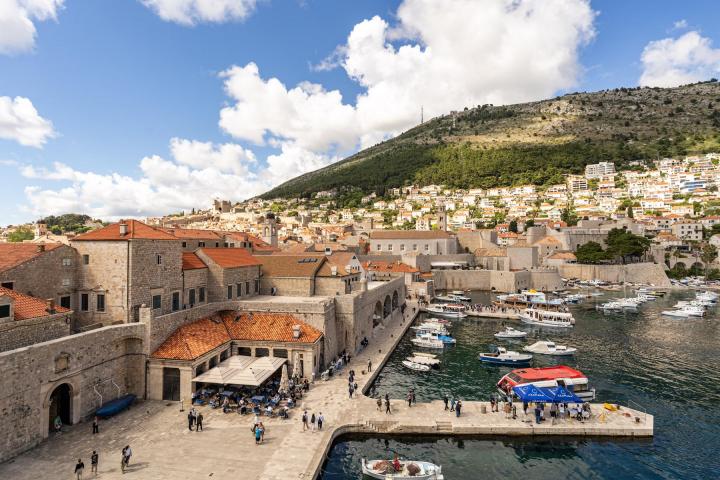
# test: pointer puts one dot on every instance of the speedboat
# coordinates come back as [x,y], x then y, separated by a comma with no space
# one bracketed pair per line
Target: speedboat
[547,318]
[427,342]
[686,311]
[546,347]
[449,310]
[408,470]
[416,366]
[430,328]
[445,339]
[510,332]
[424,359]
[559,375]
[505,357]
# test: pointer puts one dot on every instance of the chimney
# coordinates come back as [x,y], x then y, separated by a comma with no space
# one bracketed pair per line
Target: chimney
[333,271]
[41,248]
[50,306]
[328,251]
[296,331]
[123,228]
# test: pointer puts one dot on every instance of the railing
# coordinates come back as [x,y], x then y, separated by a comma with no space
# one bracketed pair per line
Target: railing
[100,395]
[638,407]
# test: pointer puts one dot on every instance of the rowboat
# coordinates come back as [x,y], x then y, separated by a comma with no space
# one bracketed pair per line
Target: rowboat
[416,366]
[401,470]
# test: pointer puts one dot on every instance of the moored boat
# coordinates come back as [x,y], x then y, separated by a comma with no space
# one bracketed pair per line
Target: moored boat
[430,361]
[505,357]
[546,347]
[547,318]
[510,332]
[401,470]
[448,310]
[427,342]
[418,367]
[561,375]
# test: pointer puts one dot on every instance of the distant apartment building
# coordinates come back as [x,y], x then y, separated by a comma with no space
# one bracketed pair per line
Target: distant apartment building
[398,242]
[576,183]
[598,170]
[688,230]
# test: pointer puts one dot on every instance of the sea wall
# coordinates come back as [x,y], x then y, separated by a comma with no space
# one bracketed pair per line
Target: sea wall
[648,273]
[496,280]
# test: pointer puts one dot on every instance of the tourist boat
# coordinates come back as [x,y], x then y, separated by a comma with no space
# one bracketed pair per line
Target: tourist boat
[444,321]
[505,357]
[409,470]
[560,375]
[547,318]
[546,347]
[427,342]
[686,311]
[650,293]
[526,296]
[116,406]
[510,332]
[416,366]
[448,310]
[424,359]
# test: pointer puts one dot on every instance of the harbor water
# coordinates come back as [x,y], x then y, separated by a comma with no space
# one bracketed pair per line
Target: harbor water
[663,365]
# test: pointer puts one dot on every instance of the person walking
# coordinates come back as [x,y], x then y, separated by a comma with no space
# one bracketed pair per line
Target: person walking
[387,405]
[525,407]
[262,432]
[379,404]
[122,460]
[96,428]
[258,434]
[412,395]
[79,467]
[312,422]
[128,454]
[320,421]
[445,401]
[452,405]
[458,406]
[198,422]
[369,366]
[537,414]
[305,420]
[409,399]
[191,420]
[350,390]
[94,459]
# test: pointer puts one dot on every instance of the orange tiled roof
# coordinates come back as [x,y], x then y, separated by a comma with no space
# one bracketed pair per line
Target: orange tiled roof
[137,230]
[196,339]
[301,266]
[395,267]
[230,257]
[26,306]
[13,254]
[190,261]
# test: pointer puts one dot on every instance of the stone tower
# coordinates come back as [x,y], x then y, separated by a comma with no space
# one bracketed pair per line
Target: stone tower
[269,230]
[442,218]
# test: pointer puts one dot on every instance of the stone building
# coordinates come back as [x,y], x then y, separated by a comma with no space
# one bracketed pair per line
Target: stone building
[398,242]
[232,273]
[25,320]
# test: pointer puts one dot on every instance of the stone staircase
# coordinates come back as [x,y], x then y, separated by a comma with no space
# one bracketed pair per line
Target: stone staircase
[443,426]
[381,426]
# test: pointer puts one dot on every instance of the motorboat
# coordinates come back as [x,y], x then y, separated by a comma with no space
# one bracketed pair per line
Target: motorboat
[510,332]
[446,339]
[546,347]
[430,328]
[505,357]
[401,470]
[453,297]
[447,310]
[686,311]
[418,367]
[427,342]
[559,375]
[547,318]
[423,359]
[444,321]
[649,292]
[525,296]
[574,298]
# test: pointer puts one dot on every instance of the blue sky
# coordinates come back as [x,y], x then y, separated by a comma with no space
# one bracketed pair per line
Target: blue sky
[113,82]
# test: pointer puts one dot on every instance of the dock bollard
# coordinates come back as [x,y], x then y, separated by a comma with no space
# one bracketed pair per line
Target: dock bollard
[483,409]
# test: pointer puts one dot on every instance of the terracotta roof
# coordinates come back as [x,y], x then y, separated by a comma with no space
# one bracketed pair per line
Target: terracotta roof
[563,256]
[409,234]
[301,266]
[137,230]
[14,254]
[395,267]
[25,306]
[190,261]
[202,336]
[192,233]
[340,260]
[230,257]
[548,241]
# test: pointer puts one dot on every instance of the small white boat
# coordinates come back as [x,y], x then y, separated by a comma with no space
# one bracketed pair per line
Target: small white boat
[449,310]
[686,311]
[547,318]
[427,342]
[546,347]
[408,470]
[416,366]
[505,357]
[428,328]
[675,313]
[510,332]
[423,360]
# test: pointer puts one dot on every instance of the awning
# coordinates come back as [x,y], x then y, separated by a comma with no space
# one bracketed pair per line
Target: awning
[242,370]
[531,393]
[561,394]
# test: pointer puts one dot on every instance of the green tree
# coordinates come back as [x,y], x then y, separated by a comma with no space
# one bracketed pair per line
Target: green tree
[708,254]
[568,216]
[624,244]
[591,252]
[21,234]
[513,227]
[630,213]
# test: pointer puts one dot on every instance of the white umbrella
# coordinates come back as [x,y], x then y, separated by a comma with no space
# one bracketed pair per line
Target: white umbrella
[284,380]
[296,366]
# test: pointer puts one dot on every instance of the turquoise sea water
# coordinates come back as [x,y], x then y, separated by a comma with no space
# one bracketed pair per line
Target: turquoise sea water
[667,366]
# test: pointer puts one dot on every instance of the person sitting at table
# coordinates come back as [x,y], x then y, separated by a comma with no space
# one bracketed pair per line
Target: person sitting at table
[214,402]
[291,403]
[226,405]
[275,400]
[268,411]
[284,412]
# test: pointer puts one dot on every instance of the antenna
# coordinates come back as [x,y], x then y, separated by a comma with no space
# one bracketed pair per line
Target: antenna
[422,115]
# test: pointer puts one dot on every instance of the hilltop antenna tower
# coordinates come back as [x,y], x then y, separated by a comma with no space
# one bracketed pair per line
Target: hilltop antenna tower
[422,115]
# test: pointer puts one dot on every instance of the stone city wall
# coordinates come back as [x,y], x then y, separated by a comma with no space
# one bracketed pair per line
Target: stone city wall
[496,280]
[287,286]
[647,273]
[21,333]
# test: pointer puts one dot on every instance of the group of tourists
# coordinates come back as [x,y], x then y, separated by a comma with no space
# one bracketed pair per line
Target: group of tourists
[387,404]
[195,419]
[452,405]
[311,422]
[352,384]
[258,429]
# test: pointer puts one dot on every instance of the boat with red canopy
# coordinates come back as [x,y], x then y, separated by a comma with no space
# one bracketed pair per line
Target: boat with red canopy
[547,377]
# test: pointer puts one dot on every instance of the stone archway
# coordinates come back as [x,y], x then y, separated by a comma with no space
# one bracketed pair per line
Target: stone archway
[387,307]
[377,314]
[73,395]
[60,404]
[395,302]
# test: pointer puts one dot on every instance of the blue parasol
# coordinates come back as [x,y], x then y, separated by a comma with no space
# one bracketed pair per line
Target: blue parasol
[531,393]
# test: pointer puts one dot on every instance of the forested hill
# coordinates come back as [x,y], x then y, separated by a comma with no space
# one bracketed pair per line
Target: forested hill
[539,142]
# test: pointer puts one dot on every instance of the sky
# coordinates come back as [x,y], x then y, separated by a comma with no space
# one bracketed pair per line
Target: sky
[133,108]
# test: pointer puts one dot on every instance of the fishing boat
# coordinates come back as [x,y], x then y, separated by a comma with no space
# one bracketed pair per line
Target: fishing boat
[427,342]
[505,357]
[416,366]
[547,318]
[116,406]
[546,347]
[401,470]
[449,310]
[430,361]
[561,375]
[510,332]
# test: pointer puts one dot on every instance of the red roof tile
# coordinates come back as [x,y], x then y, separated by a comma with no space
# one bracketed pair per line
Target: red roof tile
[25,306]
[190,261]
[193,340]
[13,254]
[137,230]
[395,267]
[230,257]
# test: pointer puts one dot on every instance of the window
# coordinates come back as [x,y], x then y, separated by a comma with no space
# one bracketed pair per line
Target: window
[65,301]
[201,244]
[379,247]
[158,259]
[229,290]
[402,247]
[100,297]
[157,302]
[191,297]
[8,285]
[217,244]
[427,247]
[247,288]
[415,247]
[280,353]
[184,244]
[4,311]
[257,285]
[262,352]
[66,262]
[84,302]
[238,289]
[176,301]
[65,282]
[201,295]
[390,247]
[86,259]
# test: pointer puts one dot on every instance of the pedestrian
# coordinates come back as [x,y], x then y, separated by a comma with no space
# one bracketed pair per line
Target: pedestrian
[537,414]
[355,387]
[312,422]
[350,390]
[369,366]
[458,405]
[94,458]
[561,411]
[445,401]
[198,423]
[525,407]
[412,394]
[79,467]
[492,403]
[262,432]
[95,425]
[305,420]
[387,405]
[128,454]
[452,405]
[320,421]
[409,399]
[191,420]
[379,404]
[122,461]
[258,434]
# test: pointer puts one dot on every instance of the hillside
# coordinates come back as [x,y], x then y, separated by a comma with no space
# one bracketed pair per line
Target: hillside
[536,143]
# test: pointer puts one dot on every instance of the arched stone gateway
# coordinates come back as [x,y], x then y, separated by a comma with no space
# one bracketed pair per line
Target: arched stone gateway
[60,404]
[395,303]
[387,307]
[377,314]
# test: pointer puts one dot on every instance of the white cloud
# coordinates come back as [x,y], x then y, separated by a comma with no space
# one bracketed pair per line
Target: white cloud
[680,24]
[191,12]
[677,61]
[229,157]
[20,121]
[17,30]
